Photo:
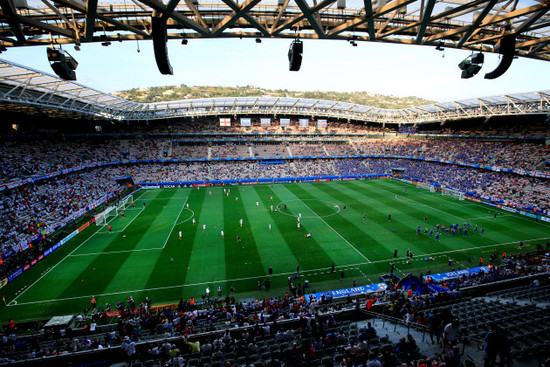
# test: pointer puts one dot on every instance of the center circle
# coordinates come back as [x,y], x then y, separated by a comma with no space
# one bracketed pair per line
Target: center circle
[189,218]
[328,209]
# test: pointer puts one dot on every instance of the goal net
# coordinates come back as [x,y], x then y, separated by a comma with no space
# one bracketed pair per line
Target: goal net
[453,193]
[123,204]
[426,186]
[101,218]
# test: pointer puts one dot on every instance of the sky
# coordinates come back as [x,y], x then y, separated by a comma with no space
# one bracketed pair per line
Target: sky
[328,65]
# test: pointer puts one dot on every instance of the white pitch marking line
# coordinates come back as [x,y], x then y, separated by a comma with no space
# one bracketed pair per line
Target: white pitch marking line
[338,233]
[53,267]
[126,226]
[117,252]
[255,277]
[361,271]
[175,222]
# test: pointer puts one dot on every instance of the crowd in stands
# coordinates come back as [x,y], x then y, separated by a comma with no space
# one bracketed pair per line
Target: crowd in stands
[270,150]
[307,150]
[341,149]
[499,154]
[27,210]
[278,331]
[189,151]
[18,162]
[230,151]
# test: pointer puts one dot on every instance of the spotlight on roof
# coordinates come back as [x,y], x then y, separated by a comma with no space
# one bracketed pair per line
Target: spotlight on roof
[295,55]
[353,43]
[258,40]
[3,48]
[471,65]
[438,47]
[184,42]
[62,63]
[77,47]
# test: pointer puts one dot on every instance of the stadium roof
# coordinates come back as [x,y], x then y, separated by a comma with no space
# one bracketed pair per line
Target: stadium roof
[29,90]
[472,25]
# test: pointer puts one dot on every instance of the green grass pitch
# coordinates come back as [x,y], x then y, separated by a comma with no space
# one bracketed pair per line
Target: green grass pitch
[145,257]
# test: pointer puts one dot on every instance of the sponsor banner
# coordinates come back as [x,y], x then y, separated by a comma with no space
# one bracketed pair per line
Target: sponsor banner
[15,274]
[304,122]
[151,187]
[457,274]
[26,267]
[265,122]
[246,121]
[348,178]
[40,257]
[321,123]
[403,180]
[350,291]
[66,239]
[225,121]
[3,282]
[113,314]
[34,262]
[83,227]
[472,199]
[285,122]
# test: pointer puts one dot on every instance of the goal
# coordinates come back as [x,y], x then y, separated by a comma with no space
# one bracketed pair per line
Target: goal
[101,218]
[123,204]
[426,186]
[453,193]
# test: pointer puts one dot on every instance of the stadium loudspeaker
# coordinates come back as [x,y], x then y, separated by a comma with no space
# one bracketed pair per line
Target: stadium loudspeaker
[159,45]
[295,55]
[62,63]
[471,65]
[470,71]
[507,48]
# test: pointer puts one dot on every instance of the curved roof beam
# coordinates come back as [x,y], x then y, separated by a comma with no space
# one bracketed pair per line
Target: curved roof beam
[22,86]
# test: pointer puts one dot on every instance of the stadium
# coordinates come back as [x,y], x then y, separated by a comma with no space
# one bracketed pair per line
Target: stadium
[272,230]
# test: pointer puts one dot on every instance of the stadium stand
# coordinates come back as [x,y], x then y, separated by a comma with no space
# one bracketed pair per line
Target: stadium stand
[287,330]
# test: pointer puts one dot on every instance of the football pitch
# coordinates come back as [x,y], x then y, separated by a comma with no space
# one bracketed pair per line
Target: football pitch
[348,222]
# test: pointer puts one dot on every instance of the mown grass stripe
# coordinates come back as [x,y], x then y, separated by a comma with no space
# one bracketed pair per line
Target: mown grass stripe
[102,269]
[307,251]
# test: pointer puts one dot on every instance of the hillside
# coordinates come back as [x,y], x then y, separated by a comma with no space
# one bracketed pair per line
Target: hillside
[174,93]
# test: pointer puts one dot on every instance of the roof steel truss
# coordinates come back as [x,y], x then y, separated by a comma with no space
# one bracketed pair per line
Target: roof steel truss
[472,25]
[27,88]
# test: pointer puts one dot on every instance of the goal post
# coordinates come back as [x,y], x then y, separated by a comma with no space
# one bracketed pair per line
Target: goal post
[101,218]
[426,186]
[452,193]
[123,204]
